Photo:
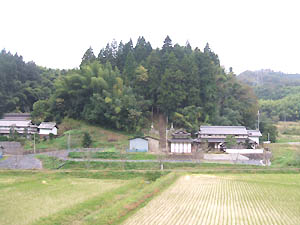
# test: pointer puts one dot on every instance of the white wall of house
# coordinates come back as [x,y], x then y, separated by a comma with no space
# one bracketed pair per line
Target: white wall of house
[256,139]
[48,131]
[181,147]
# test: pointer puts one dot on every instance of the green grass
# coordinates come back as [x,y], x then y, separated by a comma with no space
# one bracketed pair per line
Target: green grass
[285,155]
[113,155]
[76,197]
[36,197]
[288,132]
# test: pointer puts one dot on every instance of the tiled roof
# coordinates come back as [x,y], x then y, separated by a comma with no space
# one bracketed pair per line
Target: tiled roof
[16,116]
[47,125]
[254,133]
[9,123]
[223,130]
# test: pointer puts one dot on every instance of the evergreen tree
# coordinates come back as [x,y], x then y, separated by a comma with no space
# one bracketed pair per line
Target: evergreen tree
[86,140]
[167,46]
[88,57]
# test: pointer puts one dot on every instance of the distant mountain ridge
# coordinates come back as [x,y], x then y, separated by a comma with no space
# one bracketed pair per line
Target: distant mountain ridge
[278,93]
[267,77]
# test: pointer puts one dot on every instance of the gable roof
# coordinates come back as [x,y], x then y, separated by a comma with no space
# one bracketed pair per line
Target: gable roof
[17,123]
[47,125]
[223,130]
[16,116]
[254,133]
[144,138]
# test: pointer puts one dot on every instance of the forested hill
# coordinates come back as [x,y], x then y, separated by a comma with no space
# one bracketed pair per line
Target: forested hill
[278,93]
[269,84]
[22,84]
[124,84]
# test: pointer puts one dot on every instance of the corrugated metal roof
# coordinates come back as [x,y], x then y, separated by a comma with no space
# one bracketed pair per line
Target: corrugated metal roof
[47,125]
[254,133]
[9,123]
[223,130]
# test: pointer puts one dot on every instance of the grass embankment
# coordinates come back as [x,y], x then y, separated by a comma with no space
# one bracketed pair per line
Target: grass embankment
[76,197]
[226,199]
[285,155]
[288,132]
[113,155]
[128,167]
[102,138]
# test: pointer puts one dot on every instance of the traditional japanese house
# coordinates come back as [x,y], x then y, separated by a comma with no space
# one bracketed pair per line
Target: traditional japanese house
[181,142]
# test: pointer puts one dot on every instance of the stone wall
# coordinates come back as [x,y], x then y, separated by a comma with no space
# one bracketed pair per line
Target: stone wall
[11,148]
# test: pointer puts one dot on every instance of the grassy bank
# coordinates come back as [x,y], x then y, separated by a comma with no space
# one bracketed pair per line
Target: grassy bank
[102,138]
[114,155]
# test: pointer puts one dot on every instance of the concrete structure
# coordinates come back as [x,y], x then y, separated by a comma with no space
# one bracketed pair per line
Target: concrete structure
[11,148]
[47,128]
[138,144]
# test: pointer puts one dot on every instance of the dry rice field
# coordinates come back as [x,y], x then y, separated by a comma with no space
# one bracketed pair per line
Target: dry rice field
[225,199]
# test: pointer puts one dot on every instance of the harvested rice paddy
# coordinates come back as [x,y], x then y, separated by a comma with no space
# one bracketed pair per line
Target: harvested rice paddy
[226,199]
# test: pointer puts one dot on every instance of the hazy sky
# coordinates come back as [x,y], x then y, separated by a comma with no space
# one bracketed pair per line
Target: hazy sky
[246,34]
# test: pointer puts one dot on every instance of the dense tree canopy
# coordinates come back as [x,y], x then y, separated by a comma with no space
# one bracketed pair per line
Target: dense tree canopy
[278,93]
[124,84]
[22,84]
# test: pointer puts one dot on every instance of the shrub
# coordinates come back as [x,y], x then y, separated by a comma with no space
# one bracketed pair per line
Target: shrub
[3,138]
[86,140]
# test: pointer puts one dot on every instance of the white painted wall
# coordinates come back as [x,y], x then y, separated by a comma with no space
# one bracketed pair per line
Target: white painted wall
[48,131]
[245,151]
[181,148]
[256,139]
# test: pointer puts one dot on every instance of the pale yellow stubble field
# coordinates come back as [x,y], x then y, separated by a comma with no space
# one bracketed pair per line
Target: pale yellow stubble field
[226,199]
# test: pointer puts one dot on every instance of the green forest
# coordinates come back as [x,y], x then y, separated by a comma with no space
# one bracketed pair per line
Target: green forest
[123,85]
[278,93]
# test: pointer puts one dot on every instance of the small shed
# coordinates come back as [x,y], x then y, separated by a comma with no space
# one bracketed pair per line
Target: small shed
[153,144]
[47,128]
[138,144]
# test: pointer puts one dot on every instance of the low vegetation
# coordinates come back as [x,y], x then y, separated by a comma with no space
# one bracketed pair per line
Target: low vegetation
[71,133]
[114,155]
[76,197]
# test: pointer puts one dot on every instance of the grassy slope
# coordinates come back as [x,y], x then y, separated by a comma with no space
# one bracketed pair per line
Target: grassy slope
[114,155]
[288,132]
[102,138]
[286,154]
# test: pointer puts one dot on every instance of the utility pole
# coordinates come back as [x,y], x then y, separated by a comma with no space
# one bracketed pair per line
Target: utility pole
[34,143]
[69,140]
[258,119]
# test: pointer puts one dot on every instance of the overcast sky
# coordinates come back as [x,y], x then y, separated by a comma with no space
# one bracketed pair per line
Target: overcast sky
[246,34]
